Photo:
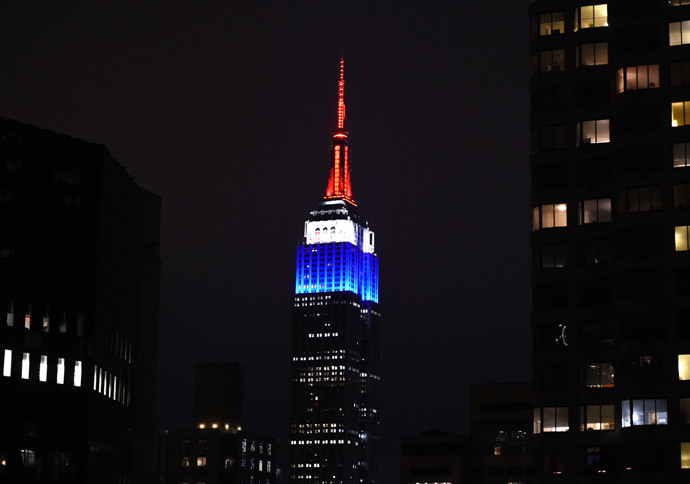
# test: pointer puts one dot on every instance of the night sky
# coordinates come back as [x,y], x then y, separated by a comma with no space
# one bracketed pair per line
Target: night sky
[226,109]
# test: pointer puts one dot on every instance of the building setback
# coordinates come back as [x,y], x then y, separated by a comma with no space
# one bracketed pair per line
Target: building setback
[335,338]
[610,215]
[79,283]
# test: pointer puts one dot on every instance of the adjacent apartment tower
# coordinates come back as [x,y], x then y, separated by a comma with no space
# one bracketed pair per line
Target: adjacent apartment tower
[79,280]
[335,336]
[610,162]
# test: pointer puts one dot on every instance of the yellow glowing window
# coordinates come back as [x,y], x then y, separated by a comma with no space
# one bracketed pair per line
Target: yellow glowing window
[201,461]
[681,237]
[678,116]
[591,16]
[684,367]
[497,450]
[551,23]
[685,455]
[679,33]
[550,216]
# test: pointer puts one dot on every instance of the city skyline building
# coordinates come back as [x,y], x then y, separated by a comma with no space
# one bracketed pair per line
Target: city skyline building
[80,272]
[334,435]
[610,218]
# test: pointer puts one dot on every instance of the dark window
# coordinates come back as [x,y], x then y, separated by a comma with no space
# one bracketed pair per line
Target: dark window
[683,323]
[553,377]
[640,199]
[643,325]
[593,171]
[681,196]
[599,460]
[549,177]
[639,117]
[594,292]
[550,336]
[549,256]
[597,334]
[642,283]
[550,296]
[592,93]
[680,73]
[594,251]
[643,157]
[682,281]
[549,99]
[645,369]
[643,241]
[637,37]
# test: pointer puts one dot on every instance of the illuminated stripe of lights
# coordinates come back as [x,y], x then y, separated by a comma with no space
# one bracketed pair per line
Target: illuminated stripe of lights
[346,176]
[341,95]
[336,172]
[337,267]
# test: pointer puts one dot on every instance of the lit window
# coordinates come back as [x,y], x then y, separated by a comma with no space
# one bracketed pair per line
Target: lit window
[638,77]
[548,61]
[550,419]
[77,373]
[185,461]
[593,132]
[595,54]
[25,366]
[497,450]
[678,3]
[95,378]
[685,450]
[7,364]
[681,152]
[595,211]
[640,199]
[649,411]
[678,113]
[551,23]
[27,319]
[679,33]
[591,16]
[43,368]
[599,375]
[201,461]
[681,238]
[549,216]
[46,322]
[597,417]
[684,367]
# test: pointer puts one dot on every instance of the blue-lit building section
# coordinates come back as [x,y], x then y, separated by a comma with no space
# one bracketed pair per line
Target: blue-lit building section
[337,266]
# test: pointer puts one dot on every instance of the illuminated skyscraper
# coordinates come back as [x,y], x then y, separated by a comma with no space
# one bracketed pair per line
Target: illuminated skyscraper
[335,337]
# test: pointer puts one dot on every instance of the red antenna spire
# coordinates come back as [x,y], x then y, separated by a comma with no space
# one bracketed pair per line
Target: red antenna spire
[339,181]
[341,95]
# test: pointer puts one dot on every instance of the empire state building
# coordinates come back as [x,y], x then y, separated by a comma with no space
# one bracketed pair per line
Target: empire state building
[335,335]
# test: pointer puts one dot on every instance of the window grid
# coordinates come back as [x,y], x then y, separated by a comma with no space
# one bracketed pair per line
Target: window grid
[638,77]
[595,54]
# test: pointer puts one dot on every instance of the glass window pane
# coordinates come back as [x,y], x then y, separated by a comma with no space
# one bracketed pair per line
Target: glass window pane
[685,32]
[685,455]
[677,118]
[547,217]
[674,33]
[587,16]
[601,53]
[607,417]
[679,155]
[633,200]
[607,375]
[549,419]
[562,419]
[681,238]
[637,412]
[601,15]
[630,78]
[642,73]
[656,198]
[558,24]
[587,54]
[558,60]
[593,417]
[603,131]
[545,24]
[650,412]
[625,414]
[684,367]
[661,412]
[536,421]
[588,132]
[535,218]
[654,75]
[592,375]
[561,215]
[684,410]
[619,81]
[604,210]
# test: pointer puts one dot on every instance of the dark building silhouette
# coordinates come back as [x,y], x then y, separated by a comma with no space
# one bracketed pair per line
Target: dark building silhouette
[501,427]
[79,282]
[218,395]
[216,450]
[434,457]
[335,337]
[611,278]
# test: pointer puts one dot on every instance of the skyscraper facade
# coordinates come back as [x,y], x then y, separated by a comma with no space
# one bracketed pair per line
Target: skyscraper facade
[611,274]
[335,336]
[79,282]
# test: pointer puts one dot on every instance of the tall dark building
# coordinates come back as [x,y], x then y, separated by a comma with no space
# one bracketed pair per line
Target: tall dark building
[79,280]
[610,90]
[335,336]
[216,450]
